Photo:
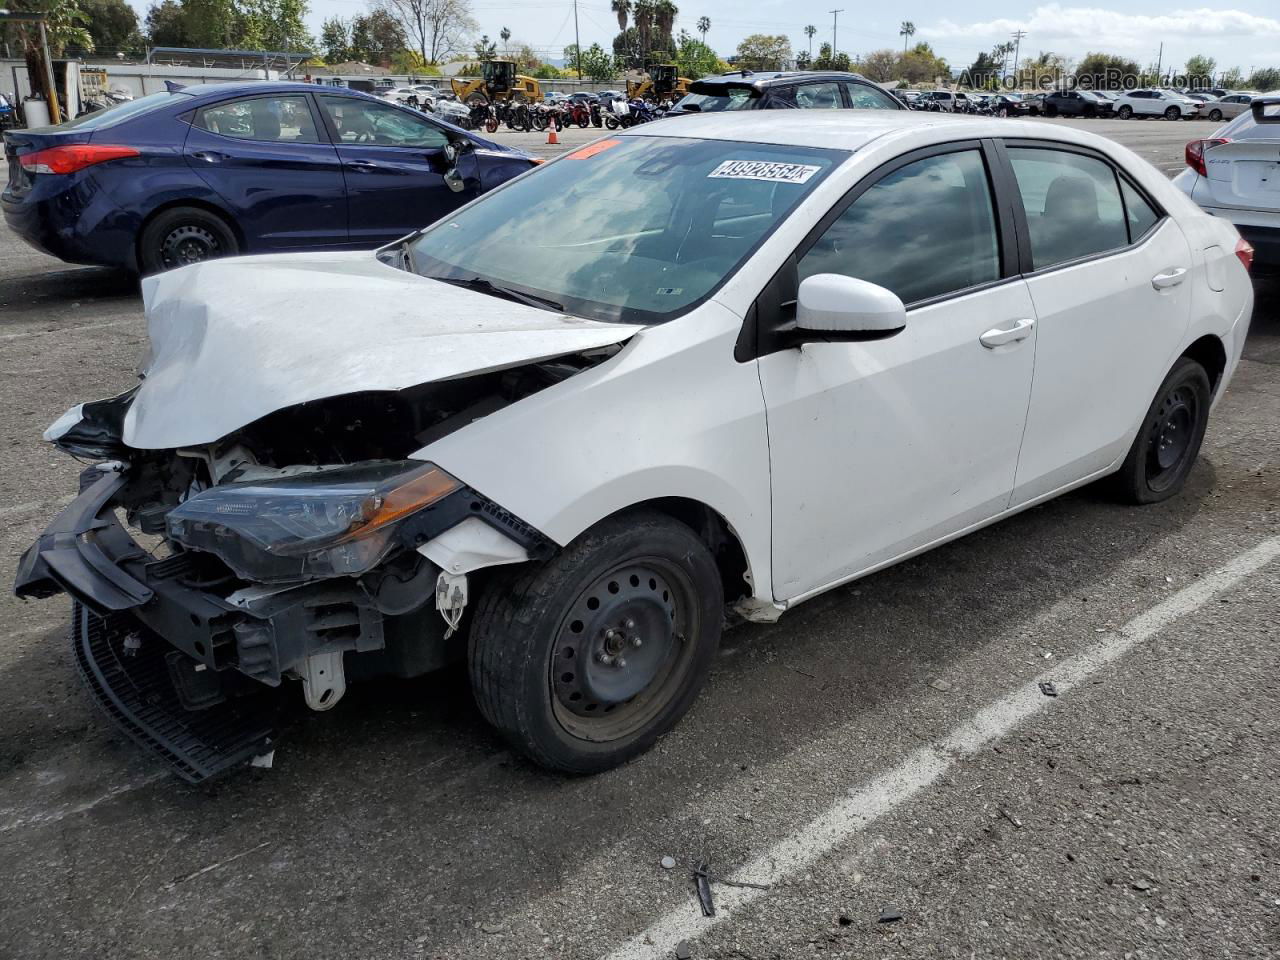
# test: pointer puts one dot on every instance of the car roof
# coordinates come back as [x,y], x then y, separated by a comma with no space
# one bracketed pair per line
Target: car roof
[767,78]
[267,86]
[850,129]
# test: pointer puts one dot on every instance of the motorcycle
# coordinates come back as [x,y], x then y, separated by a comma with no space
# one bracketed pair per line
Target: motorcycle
[577,112]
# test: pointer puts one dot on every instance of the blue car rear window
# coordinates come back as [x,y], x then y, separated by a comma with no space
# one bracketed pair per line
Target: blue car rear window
[101,119]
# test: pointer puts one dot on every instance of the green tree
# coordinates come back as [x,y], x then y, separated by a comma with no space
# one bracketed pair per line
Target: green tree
[1106,71]
[166,26]
[1199,70]
[485,48]
[113,27]
[598,64]
[982,74]
[920,65]
[505,35]
[880,65]
[906,32]
[762,51]
[694,58]
[379,38]
[1265,80]
[664,18]
[823,60]
[809,31]
[642,14]
[621,9]
[335,40]
[1232,78]
[704,27]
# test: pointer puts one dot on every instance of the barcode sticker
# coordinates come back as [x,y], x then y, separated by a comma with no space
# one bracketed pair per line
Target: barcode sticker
[767,170]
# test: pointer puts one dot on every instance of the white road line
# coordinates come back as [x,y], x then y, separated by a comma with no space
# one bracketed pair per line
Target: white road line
[851,814]
[33,506]
[70,328]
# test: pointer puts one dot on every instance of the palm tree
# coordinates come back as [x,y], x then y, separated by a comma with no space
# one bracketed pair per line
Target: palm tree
[642,14]
[704,24]
[664,15]
[809,31]
[906,31]
[621,8]
[505,34]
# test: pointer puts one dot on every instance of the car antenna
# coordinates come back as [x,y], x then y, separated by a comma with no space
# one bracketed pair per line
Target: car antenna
[172,86]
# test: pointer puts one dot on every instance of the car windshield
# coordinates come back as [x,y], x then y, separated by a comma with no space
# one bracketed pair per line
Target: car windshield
[713,99]
[633,229]
[100,119]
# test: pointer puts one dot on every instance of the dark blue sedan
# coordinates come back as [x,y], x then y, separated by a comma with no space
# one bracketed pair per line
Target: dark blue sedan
[218,169]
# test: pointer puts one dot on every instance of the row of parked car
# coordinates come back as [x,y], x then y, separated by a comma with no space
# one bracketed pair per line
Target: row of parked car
[1169,104]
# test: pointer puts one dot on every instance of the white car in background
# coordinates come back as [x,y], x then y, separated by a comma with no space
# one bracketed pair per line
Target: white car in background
[801,347]
[1157,103]
[1230,106]
[1235,174]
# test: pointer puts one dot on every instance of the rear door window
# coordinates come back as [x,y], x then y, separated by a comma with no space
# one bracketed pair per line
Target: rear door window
[818,96]
[284,119]
[1072,204]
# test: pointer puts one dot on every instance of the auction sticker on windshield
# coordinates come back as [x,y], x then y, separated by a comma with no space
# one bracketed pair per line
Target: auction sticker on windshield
[771,171]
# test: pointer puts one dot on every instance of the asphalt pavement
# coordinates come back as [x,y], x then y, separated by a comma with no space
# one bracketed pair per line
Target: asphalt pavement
[883,751]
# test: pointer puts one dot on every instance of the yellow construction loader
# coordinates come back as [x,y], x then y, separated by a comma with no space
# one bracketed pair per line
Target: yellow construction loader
[497,81]
[660,82]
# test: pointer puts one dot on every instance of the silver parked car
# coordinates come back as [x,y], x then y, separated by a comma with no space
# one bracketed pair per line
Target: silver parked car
[1230,106]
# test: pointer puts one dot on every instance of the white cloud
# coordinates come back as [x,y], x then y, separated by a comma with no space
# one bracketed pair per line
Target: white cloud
[1082,27]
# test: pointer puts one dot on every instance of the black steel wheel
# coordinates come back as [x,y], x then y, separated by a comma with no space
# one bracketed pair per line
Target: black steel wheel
[184,235]
[1169,439]
[583,661]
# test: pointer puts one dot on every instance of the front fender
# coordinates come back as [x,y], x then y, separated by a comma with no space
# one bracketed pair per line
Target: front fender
[672,415]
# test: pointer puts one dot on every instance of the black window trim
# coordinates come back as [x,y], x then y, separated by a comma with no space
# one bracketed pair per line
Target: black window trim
[1013,201]
[332,129]
[322,129]
[761,336]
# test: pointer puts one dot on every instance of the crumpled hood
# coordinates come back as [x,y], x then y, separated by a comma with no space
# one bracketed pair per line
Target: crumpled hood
[234,340]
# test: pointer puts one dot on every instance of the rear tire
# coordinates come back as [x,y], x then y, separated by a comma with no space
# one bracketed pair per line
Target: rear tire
[554,661]
[1173,113]
[1051,112]
[1125,112]
[184,235]
[1168,442]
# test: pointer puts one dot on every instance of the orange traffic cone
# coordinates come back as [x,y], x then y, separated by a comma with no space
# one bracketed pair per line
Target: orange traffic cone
[551,133]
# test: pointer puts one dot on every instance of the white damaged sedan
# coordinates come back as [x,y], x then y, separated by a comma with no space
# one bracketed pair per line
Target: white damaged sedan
[716,363]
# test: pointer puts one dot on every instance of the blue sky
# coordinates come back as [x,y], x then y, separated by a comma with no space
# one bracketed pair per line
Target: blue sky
[1242,34]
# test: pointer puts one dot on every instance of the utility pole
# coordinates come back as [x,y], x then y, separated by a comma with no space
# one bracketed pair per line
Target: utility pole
[835,20]
[1017,47]
[577,40]
[1159,62]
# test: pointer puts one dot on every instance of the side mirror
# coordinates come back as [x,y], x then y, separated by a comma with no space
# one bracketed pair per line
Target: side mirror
[833,307]
[452,151]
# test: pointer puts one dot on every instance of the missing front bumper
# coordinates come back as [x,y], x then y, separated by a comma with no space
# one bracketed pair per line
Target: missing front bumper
[127,671]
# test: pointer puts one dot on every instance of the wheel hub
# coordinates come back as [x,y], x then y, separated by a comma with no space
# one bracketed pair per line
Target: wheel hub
[616,641]
[189,244]
[1171,431]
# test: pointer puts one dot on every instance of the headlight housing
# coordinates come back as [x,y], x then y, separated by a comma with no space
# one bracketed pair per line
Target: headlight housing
[330,523]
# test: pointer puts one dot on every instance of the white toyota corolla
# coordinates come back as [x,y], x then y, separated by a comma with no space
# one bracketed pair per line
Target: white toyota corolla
[718,362]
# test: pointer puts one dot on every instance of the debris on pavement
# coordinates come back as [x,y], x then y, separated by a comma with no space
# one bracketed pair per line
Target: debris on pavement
[890,914]
[1141,885]
[263,760]
[1011,818]
[493,927]
[703,882]
[682,950]
[940,685]
[1048,688]
[668,862]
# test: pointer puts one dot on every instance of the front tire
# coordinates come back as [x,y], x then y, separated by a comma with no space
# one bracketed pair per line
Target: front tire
[1125,112]
[184,235]
[1173,113]
[1169,439]
[554,659]
[1215,115]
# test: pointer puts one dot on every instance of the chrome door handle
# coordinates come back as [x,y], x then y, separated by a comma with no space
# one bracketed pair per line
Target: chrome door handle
[1171,278]
[208,156]
[997,337]
[362,164]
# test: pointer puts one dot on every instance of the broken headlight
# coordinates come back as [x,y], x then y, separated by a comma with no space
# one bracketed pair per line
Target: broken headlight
[331,523]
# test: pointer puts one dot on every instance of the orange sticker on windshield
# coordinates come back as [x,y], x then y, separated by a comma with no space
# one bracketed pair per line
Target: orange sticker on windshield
[591,149]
